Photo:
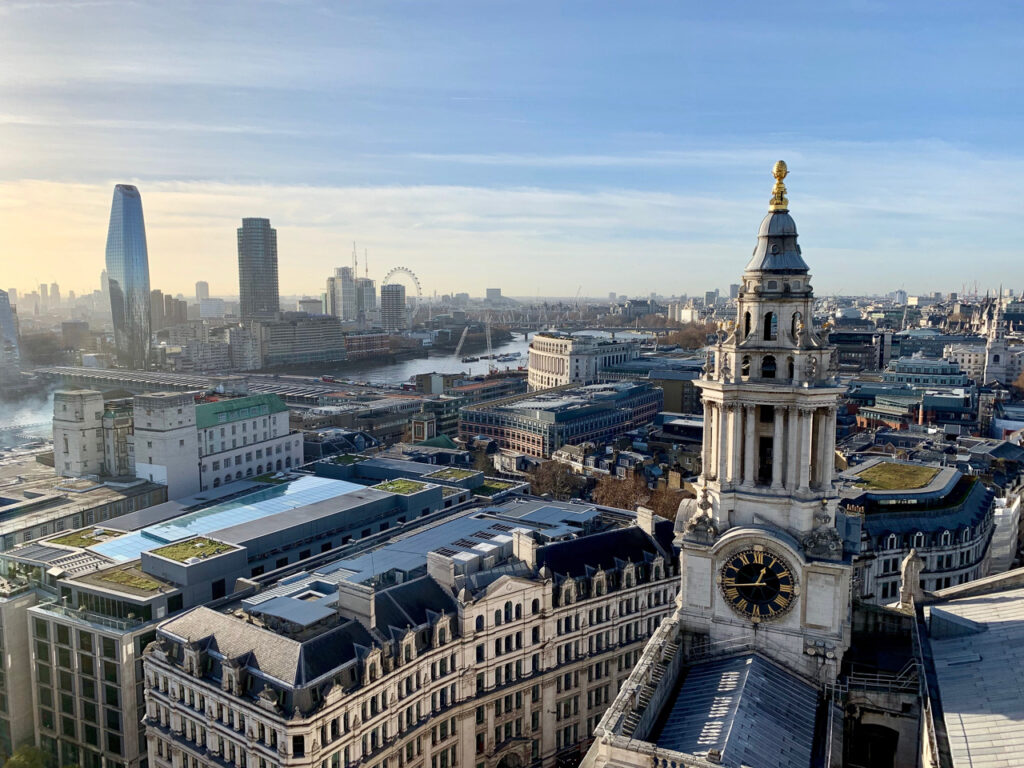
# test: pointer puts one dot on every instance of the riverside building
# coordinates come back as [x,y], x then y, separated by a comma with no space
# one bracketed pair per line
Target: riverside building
[559,359]
[540,423]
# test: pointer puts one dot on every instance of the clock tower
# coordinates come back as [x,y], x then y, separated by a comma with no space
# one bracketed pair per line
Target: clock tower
[762,562]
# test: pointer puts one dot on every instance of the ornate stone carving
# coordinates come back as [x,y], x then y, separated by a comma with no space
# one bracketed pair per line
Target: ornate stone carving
[701,526]
[823,542]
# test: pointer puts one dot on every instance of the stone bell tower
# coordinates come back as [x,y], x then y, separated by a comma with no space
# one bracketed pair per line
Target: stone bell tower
[770,392]
[761,560]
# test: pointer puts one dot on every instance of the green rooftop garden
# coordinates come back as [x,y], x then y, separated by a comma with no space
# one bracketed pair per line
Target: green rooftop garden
[451,474]
[447,490]
[201,548]
[131,577]
[889,476]
[491,487]
[269,478]
[401,485]
[80,538]
[346,459]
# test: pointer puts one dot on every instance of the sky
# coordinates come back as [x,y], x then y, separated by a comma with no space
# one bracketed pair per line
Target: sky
[546,148]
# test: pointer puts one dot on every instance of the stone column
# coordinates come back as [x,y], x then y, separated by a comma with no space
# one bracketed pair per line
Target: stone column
[829,447]
[750,414]
[723,443]
[793,454]
[806,435]
[821,454]
[735,452]
[777,449]
[705,454]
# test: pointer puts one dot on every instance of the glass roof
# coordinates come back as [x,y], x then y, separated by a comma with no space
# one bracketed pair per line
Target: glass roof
[264,503]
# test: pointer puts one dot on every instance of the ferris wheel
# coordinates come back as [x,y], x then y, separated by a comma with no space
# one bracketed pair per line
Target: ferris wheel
[411,277]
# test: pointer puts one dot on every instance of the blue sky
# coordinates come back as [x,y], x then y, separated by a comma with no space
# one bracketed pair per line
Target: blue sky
[537,146]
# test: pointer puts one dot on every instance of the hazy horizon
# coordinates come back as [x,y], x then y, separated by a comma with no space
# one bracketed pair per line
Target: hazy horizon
[530,146]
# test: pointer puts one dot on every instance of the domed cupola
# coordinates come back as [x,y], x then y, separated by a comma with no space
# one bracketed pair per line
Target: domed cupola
[777,249]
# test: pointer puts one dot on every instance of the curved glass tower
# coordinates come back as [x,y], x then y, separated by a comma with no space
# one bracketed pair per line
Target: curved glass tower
[128,277]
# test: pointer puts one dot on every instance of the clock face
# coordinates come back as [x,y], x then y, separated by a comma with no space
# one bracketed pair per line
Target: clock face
[758,584]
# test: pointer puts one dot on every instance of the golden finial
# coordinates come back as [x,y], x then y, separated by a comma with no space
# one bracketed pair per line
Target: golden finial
[779,201]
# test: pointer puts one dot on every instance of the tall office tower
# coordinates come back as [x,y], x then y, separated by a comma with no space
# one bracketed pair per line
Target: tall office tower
[128,277]
[54,295]
[366,297]
[44,297]
[156,311]
[257,269]
[392,307]
[341,294]
[9,349]
[202,291]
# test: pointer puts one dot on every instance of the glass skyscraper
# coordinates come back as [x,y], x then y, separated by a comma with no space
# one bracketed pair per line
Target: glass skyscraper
[257,269]
[8,331]
[128,277]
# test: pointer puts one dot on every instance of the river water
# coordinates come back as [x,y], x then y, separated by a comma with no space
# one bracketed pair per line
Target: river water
[436,362]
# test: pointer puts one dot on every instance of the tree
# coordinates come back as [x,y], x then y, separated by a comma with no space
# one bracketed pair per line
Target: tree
[482,461]
[27,756]
[630,493]
[556,479]
[690,336]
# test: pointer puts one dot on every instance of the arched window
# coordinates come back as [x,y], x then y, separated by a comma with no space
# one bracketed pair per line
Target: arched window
[508,611]
[746,324]
[893,543]
[248,472]
[227,478]
[796,324]
[918,539]
[790,368]
[497,618]
[768,367]
[479,623]
[995,358]
[216,482]
[771,326]
[259,470]
[745,366]
[535,606]
[519,611]
[238,475]
[278,465]
[965,535]
[946,537]
[287,461]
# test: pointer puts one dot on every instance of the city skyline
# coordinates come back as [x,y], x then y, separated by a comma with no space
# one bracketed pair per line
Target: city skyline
[624,135]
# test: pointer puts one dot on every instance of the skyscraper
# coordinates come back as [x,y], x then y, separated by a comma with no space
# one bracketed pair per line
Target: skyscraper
[392,307]
[54,295]
[128,277]
[257,269]
[8,330]
[202,291]
[341,294]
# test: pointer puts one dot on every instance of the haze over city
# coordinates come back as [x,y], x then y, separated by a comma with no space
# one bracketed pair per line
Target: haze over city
[543,148]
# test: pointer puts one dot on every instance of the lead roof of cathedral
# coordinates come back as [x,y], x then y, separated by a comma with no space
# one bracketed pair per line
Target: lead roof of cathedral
[777,249]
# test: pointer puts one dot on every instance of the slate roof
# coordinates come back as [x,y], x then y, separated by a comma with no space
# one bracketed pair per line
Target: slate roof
[290,661]
[599,550]
[751,709]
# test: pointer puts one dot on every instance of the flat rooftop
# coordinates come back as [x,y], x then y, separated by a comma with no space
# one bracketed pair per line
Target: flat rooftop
[249,509]
[977,645]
